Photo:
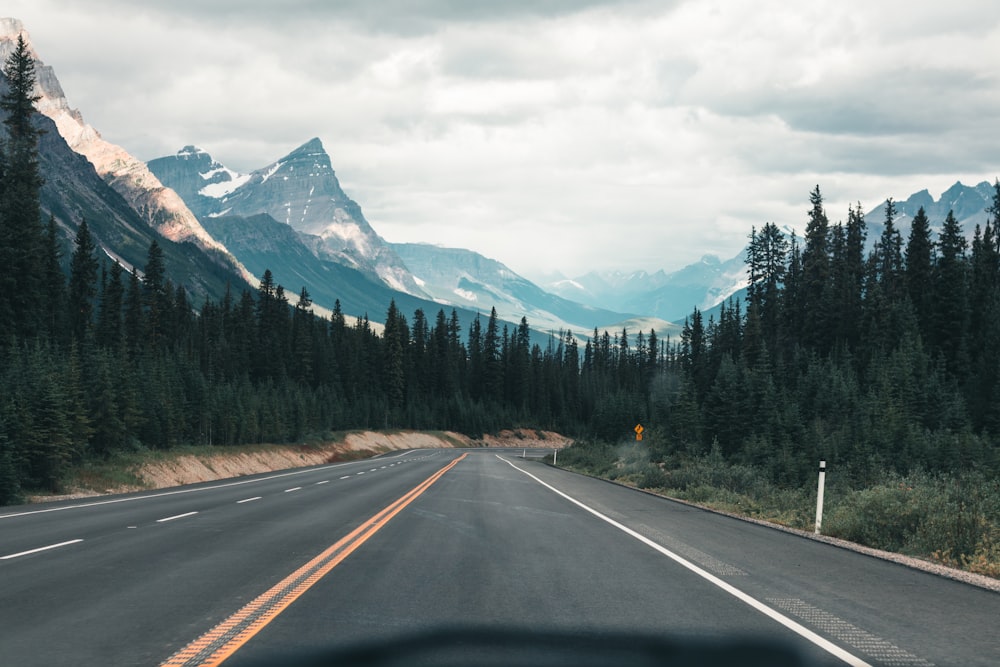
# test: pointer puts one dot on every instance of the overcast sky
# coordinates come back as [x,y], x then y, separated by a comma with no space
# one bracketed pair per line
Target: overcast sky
[553,135]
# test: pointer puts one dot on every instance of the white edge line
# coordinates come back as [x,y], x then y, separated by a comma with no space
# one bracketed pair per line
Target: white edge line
[248,500]
[35,551]
[174,493]
[799,629]
[177,516]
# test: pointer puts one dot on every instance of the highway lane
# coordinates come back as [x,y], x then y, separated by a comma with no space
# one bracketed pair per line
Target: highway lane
[138,587]
[487,544]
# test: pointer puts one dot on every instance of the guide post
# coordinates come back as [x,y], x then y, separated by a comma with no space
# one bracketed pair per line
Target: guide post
[819,496]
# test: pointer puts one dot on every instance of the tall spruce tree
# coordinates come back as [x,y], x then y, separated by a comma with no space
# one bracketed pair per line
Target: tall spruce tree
[950,318]
[82,283]
[815,287]
[22,309]
[918,273]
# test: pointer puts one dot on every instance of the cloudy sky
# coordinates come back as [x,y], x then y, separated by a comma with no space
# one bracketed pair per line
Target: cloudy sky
[553,135]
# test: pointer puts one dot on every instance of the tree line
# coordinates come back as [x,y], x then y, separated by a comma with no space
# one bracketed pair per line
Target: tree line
[97,359]
[885,359]
[881,360]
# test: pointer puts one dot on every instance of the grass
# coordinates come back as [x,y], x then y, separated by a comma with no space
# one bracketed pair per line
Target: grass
[952,518]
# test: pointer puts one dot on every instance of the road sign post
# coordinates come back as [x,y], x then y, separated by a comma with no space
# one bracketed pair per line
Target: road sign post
[819,496]
[638,431]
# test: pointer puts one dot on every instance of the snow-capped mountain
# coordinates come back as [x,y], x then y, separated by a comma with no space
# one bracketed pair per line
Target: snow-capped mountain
[162,208]
[669,296]
[968,203]
[466,278]
[300,190]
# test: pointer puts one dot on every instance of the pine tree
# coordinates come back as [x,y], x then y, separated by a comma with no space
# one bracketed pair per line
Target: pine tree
[82,283]
[22,309]
[918,273]
[950,319]
[156,296]
[135,329]
[55,283]
[493,381]
[302,338]
[394,343]
[815,288]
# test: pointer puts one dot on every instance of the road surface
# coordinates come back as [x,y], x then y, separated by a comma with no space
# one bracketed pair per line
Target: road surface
[482,545]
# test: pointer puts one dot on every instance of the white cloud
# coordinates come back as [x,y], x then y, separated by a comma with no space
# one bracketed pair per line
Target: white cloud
[557,135]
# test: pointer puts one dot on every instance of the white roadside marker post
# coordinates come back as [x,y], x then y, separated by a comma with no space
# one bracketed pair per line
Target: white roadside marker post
[555,455]
[819,496]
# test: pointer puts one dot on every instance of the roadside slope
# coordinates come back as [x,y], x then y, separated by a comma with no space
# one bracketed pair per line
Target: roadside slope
[205,464]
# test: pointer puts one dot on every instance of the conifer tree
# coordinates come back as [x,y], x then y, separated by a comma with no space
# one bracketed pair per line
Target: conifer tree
[21,238]
[815,301]
[918,273]
[54,283]
[950,319]
[82,283]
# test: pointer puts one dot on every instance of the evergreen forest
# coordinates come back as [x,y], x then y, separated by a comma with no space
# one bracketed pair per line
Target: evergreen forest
[876,361]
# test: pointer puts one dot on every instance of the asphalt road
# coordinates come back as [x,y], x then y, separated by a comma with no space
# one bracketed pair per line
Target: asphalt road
[508,560]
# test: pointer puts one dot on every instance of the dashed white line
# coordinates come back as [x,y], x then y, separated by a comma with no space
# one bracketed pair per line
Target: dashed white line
[35,551]
[178,516]
[171,493]
[294,488]
[248,500]
[360,473]
[325,481]
[346,477]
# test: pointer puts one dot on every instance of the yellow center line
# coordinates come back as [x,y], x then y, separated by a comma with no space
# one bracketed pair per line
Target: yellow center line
[219,643]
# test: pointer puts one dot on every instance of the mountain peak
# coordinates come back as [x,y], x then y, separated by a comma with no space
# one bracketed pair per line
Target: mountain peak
[312,147]
[10,28]
[190,151]
[159,206]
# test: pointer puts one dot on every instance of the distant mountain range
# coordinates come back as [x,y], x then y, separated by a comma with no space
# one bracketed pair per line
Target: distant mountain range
[293,217]
[219,228]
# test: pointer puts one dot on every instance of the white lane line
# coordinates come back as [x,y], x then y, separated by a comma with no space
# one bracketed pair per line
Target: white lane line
[770,612]
[178,516]
[346,477]
[360,473]
[35,551]
[325,481]
[382,467]
[373,470]
[248,500]
[294,488]
[174,493]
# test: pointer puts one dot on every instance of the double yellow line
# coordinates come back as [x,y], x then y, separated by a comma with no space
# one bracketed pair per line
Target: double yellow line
[227,637]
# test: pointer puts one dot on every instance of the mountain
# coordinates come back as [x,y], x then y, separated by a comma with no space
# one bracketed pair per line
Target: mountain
[261,242]
[464,277]
[293,217]
[73,191]
[300,190]
[968,203]
[160,207]
[710,281]
[669,296]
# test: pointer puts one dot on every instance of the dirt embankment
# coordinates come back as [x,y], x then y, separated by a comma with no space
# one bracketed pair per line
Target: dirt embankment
[182,468]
